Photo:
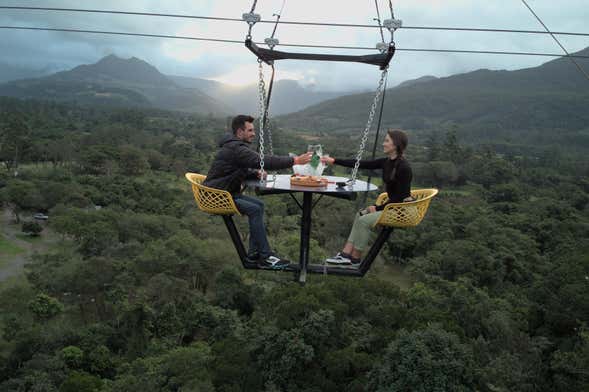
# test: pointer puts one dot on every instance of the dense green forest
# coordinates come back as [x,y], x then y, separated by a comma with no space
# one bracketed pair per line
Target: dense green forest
[140,291]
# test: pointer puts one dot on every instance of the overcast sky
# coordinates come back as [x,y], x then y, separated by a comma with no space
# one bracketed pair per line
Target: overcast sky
[233,63]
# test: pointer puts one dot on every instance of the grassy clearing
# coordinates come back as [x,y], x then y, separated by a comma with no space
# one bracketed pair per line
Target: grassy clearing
[30,239]
[7,248]
[13,281]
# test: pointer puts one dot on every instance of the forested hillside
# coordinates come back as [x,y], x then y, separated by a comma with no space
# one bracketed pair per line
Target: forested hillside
[542,105]
[143,292]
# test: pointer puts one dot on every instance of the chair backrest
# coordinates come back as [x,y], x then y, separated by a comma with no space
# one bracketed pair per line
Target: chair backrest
[407,214]
[211,200]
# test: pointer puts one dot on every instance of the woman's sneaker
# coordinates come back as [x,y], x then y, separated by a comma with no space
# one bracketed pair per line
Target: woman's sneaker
[273,262]
[339,259]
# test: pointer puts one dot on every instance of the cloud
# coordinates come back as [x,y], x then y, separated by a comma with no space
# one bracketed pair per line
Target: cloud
[234,62]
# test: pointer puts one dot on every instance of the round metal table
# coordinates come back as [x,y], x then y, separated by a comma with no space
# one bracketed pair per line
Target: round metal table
[281,184]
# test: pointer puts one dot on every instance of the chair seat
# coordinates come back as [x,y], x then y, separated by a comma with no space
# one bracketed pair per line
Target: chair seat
[407,214]
[211,200]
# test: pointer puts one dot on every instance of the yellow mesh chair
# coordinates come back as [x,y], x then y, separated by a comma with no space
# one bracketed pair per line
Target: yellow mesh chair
[211,200]
[406,214]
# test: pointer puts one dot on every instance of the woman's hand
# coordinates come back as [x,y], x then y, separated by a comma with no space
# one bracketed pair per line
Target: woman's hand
[327,160]
[303,159]
[371,209]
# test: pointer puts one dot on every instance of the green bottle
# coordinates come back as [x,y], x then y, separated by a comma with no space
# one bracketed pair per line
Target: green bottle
[315,160]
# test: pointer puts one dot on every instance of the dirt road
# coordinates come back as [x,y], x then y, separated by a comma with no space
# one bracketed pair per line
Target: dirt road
[13,265]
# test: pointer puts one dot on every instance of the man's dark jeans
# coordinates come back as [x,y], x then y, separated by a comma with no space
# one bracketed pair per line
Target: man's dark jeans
[254,209]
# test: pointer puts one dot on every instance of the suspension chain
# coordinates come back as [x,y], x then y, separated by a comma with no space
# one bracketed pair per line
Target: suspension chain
[269,131]
[379,90]
[262,110]
[268,125]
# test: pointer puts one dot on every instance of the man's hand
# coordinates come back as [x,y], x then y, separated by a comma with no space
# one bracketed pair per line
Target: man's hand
[303,159]
[371,209]
[262,175]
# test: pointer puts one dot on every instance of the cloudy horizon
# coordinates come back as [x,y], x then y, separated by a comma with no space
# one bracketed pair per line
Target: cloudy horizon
[234,64]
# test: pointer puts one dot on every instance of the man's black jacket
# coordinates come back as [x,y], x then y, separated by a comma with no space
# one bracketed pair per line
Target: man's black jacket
[234,163]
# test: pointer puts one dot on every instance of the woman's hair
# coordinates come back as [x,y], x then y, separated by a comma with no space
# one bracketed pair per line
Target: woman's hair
[399,139]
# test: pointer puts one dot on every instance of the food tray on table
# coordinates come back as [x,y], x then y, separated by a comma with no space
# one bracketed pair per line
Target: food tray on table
[314,181]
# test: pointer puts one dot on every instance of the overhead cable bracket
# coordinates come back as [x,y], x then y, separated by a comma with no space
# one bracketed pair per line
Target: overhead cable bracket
[393,24]
[251,18]
[382,47]
[271,42]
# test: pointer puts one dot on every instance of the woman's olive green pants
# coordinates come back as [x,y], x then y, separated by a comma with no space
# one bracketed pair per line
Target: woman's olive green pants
[361,229]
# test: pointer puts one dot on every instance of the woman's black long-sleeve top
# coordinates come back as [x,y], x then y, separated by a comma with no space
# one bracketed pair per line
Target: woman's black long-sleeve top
[397,182]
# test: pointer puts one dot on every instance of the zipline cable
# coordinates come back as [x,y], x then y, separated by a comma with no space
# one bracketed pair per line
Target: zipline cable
[378,20]
[539,54]
[289,22]
[557,41]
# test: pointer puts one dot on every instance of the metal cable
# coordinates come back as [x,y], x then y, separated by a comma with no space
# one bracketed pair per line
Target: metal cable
[278,16]
[391,8]
[267,124]
[557,41]
[291,22]
[285,45]
[376,137]
[121,33]
[254,6]
[579,56]
[372,111]
[378,20]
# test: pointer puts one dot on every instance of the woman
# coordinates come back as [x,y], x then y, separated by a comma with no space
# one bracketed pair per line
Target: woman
[396,176]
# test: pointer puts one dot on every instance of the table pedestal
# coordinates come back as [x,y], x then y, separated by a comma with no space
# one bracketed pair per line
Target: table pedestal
[282,185]
[305,235]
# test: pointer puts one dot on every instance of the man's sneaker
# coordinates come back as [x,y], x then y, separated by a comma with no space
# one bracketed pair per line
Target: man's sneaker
[343,259]
[274,262]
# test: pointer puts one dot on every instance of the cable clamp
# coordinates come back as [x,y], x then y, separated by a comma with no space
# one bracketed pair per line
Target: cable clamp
[251,18]
[271,42]
[382,47]
[393,24]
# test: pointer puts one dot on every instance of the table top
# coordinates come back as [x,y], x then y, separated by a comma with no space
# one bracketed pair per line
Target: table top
[282,184]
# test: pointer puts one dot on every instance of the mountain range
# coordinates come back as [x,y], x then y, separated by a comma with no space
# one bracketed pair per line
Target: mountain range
[484,103]
[114,81]
[287,95]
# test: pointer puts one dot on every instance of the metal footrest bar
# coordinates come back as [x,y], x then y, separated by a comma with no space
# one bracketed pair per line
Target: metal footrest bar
[358,271]
[374,250]
[238,244]
[363,267]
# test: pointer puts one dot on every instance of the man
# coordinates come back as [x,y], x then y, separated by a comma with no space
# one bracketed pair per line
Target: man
[234,163]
